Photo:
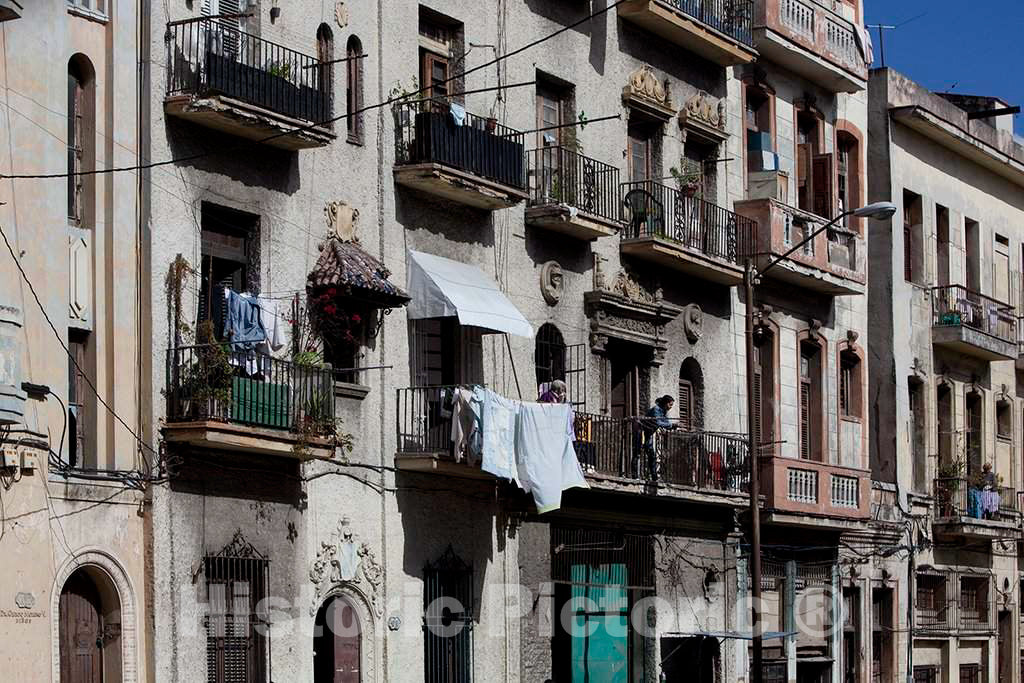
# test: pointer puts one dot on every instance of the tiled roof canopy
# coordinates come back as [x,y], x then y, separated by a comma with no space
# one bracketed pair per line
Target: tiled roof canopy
[356,274]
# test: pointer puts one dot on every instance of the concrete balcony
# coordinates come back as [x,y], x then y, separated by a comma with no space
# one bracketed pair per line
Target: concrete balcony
[685,233]
[234,82]
[832,263]
[475,162]
[718,30]
[573,194]
[228,401]
[10,9]
[809,493]
[963,510]
[810,40]
[973,324]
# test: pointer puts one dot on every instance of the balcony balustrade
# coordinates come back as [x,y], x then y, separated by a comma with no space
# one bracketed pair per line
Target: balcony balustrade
[573,194]
[973,324]
[458,156]
[964,508]
[826,492]
[619,451]
[718,30]
[232,81]
[832,263]
[812,40]
[239,400]
[684,232]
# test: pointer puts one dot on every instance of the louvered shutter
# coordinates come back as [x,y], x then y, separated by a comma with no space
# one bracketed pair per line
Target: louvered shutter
[227,38]
[908,267]
[805,420]
[686,405]
[822,185]
[758,410]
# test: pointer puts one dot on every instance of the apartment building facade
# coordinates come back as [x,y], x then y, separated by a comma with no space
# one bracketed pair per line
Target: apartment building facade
[72,401]
[944,294]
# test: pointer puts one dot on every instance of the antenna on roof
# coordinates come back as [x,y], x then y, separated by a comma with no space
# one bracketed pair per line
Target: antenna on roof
[881,37]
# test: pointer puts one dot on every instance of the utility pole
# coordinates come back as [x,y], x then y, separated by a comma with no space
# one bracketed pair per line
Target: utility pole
[754,452]
[911,571]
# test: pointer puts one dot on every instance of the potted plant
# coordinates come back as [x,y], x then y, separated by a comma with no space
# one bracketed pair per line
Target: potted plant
[948,475]
[206,383]
[688,176]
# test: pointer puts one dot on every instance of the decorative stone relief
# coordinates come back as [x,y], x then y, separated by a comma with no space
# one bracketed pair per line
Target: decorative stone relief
[341,14]
[80,291]
[647,92]
[341,221]
[551,282]
[693,322]
[625,285]
[346,562]
[704,109]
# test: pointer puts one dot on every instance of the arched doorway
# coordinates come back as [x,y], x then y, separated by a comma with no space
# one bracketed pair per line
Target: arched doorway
[89,616]
[337,643]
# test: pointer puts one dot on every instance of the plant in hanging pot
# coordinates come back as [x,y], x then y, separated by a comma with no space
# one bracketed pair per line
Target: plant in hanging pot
[689,177]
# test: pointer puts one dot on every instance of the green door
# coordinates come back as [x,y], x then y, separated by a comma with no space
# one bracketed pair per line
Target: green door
[600,625]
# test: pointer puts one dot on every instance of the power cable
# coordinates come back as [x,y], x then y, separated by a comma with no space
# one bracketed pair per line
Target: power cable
[71,356]
[319,124]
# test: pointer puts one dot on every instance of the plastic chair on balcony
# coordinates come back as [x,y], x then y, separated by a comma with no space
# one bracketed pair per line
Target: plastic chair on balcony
[646,214]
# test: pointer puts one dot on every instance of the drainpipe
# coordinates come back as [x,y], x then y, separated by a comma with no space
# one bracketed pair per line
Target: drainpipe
[911,596]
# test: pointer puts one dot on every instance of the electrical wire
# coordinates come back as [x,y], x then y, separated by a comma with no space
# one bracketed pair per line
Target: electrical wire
[319,124]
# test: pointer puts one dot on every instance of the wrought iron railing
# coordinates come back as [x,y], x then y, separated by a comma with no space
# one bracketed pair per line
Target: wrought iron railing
[211,382]
[734,18]
[634,448]
[637,449]
[960,497]
[651,209]
[562,176]
[433,131]
[955,306]
[205,57]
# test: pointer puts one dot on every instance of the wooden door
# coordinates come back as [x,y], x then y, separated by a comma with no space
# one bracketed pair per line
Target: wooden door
[624,399]
[346,643]
[822,185]
[81,631]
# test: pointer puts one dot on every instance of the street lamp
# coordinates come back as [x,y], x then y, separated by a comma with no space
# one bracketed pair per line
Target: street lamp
[877,210]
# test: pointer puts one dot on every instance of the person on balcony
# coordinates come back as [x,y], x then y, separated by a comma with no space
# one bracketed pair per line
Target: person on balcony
[654,419]
[557,392]
[989,493]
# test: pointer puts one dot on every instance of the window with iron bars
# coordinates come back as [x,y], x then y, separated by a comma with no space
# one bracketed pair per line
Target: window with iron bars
[236,636]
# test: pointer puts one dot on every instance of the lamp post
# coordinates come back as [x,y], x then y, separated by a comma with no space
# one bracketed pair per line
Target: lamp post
[754,338]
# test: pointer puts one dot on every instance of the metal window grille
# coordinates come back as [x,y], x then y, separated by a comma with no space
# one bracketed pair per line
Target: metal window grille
[596,547]
[237,642]
[448,619]
[925,674]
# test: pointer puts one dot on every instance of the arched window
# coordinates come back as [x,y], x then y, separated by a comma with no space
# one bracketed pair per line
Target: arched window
[549,354]
[337,643]
[80,140]
[974,431]
[758,128]
[810,388]
[354,90]
[325,54]
[851,384]
[691,396]
[848,165]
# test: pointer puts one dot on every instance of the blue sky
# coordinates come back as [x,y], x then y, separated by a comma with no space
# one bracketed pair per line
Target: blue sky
[978,45]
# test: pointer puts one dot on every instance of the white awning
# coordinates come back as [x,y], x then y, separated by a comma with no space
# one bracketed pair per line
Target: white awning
[441,287]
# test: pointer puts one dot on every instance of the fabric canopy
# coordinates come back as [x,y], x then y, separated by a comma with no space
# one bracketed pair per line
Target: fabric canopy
[441,287]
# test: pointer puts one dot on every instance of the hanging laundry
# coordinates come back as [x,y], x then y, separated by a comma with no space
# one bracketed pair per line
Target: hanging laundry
[499,435]
[545,457]
[243,326]
[273,324]
[467,434]
[458,113]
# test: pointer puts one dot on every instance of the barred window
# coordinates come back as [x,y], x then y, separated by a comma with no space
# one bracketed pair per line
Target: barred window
[236,636]
[448,620]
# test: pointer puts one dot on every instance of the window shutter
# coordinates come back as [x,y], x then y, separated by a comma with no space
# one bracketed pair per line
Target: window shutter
[908,259]
[686,405]
[844,389]
[822,171]
[758,410]
[805,420]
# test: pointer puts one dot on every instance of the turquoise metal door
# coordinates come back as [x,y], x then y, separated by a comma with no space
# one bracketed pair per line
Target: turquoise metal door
[600,624]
